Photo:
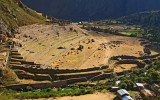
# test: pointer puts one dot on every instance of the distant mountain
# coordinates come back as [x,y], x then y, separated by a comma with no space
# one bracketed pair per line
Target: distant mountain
[13,13]
[148,18]
[77,10]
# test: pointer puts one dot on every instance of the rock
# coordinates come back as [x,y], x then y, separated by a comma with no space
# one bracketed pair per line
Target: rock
[71,29]
[77,52]
[147,51]
[99,48]
[80,47]
[72,48]
[31,52]
[25,36]
[61,48]
[92,40]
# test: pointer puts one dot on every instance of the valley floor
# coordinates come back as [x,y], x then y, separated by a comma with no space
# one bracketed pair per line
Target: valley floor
[96,96]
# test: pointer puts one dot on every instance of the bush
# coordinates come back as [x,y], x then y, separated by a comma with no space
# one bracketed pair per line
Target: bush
[104,91]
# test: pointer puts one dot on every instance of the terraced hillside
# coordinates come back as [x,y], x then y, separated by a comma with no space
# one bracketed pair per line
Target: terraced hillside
[55,56]
[44,44]
[32,73]
[69,47]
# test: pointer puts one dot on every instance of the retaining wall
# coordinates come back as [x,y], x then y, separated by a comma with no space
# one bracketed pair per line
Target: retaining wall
[101,77]
[133,57]
[140,64]
[46,85]
[37,86]
[51,71]
[64,77]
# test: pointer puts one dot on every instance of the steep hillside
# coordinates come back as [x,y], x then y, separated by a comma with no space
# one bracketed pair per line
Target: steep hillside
[78,10]
[13,13]
[150,18]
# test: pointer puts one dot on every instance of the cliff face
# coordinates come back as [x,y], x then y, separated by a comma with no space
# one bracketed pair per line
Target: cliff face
[13,13]
[92,9]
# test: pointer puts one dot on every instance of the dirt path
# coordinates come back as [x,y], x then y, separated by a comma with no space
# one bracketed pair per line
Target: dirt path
[96,96]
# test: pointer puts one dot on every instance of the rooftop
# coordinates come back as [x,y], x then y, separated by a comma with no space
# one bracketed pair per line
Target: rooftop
[122,92]
[138,85]
[127,98]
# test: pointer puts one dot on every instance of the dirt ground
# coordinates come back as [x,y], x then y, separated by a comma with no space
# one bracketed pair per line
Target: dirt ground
[104,47]
[124,67]
[94,53]
[96,96]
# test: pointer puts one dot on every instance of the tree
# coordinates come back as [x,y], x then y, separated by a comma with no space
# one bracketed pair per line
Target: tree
[29,88]
[123,85]
[154,76]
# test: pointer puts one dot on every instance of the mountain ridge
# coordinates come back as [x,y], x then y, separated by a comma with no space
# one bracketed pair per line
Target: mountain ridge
[78,10]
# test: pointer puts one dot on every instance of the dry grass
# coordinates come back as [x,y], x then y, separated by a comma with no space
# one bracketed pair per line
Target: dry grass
[94,54]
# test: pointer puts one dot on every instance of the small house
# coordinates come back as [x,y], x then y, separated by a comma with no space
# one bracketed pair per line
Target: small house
[126,98]
[154,86]
[122,92]
[115,88]
[138,86]
[117,82]
[147,93]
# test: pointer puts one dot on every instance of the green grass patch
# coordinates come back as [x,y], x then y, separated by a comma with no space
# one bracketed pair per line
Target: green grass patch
[132,32]
[45,93]
[7,94]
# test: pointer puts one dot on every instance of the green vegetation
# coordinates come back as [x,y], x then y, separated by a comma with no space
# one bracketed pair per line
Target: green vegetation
[109,30]
[14,13]
[148,18]
[155,48]
[7,94]
[149,21]
[133,94]
[45,93]
[132,32]
[8,77]
[150,74]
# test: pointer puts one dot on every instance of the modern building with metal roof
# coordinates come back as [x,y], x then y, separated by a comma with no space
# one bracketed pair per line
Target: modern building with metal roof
[138,86]
[122,92]
[127,98]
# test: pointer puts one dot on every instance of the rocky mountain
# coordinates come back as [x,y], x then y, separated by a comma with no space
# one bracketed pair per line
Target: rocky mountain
[13,13]
[77,10]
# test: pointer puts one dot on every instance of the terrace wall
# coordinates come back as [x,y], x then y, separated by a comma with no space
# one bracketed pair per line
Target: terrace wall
[133,57]
[140,64]
[101,77]
[51,71]
[64,77]
[46,85]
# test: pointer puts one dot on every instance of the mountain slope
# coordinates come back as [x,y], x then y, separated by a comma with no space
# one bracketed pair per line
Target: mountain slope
[13,13]
[149,21]
[91,9]
[150,18]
